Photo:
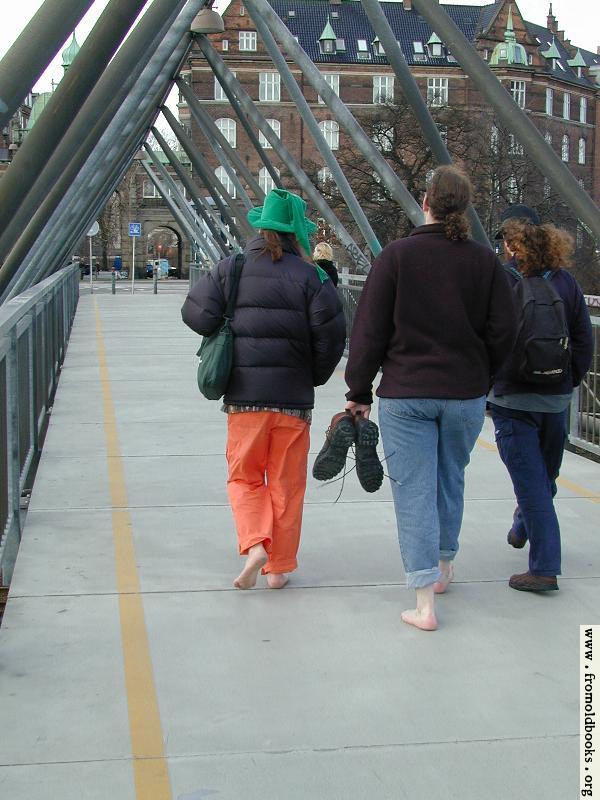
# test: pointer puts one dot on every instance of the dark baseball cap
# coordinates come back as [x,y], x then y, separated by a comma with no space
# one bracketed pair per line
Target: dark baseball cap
[518,212]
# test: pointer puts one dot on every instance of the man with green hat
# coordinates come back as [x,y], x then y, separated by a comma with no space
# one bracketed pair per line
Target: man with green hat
[289,333]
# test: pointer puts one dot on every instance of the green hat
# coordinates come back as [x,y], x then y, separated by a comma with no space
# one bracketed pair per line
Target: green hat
[284,212]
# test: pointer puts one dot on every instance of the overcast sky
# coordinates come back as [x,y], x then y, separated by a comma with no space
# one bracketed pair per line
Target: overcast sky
[580,19]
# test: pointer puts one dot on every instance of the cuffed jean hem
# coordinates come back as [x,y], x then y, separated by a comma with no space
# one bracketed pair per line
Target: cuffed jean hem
[422,578]
[544,573]
[448,555]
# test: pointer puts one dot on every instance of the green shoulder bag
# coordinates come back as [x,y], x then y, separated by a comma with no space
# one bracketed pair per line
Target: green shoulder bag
[216,351]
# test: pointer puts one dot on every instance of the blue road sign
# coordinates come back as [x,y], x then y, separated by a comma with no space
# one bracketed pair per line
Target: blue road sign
[135,228]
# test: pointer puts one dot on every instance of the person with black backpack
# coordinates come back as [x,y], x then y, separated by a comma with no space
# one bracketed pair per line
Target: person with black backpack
[532,391]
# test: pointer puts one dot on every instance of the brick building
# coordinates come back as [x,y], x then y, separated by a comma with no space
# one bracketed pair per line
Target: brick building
[557,83]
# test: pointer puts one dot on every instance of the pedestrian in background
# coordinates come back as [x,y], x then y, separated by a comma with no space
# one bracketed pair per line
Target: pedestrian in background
[436,315]
[289,333]
[529,415]
[323,257]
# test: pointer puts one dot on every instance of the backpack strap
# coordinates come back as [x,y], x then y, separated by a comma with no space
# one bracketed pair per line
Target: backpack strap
[231,300]
[513,271]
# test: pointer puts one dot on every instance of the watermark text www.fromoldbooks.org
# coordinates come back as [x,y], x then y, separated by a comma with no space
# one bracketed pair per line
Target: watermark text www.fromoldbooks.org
[589,780]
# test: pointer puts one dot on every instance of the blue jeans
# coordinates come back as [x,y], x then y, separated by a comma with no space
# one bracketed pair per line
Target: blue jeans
[531,445]
[428,443]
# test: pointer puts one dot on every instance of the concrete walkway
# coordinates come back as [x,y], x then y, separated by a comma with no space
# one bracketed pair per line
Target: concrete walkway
[123,635]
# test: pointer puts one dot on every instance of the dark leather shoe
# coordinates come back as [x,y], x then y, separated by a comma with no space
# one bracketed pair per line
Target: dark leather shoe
[526,582]
[368,465]
[338,440]
[514,540]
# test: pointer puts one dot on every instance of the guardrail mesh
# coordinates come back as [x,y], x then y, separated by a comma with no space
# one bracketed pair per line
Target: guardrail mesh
[34,329]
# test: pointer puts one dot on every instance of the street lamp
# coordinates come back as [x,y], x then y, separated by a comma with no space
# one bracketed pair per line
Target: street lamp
[207,21]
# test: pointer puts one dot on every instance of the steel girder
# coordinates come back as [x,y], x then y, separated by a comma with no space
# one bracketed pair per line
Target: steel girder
[33,50]
[298,98]
[246,106]
[515,119]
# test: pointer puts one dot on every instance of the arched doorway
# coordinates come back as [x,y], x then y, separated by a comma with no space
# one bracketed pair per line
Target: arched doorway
[165,242]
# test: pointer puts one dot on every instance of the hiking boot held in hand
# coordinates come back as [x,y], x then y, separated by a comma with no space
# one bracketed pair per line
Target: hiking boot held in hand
[368,466]
[526,582]
[338,440]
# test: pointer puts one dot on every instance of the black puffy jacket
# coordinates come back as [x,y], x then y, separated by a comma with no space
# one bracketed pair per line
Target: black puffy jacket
[289,326]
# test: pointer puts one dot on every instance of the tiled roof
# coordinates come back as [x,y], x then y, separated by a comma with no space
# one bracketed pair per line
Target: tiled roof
[351,24]
[545,38]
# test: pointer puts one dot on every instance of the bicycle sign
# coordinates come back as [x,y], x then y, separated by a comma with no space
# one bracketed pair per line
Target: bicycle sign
[135,228]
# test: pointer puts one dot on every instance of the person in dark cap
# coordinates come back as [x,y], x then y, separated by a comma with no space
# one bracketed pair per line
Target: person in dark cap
[289,335]
[529,408]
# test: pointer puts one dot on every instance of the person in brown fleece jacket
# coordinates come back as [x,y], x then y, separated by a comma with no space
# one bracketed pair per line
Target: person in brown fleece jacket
[436,315]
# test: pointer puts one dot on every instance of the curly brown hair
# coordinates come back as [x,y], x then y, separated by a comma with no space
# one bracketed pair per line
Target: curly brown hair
[538,247]
[449,193]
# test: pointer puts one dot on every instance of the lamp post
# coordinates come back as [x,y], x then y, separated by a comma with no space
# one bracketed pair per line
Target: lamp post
[93,231]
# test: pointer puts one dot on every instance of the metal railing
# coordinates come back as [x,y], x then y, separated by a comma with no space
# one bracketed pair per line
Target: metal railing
[584,429]
[34,330]
[195,271]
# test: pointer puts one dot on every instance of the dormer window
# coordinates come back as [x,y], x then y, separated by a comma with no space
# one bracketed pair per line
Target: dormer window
[327,40]
[340,45]
[435,46]
[418,47]
[377,47]
[291,13]
[362,50]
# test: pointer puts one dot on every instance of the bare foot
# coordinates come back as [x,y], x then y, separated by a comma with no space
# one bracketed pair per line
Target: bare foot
[446,578]
[276,581]
[424,621]
[257,558]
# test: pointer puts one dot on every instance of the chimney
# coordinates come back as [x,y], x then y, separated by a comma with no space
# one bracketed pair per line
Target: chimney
[551,23]
[407,4]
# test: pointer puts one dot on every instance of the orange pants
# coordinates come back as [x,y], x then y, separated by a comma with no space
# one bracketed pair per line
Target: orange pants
[267,456]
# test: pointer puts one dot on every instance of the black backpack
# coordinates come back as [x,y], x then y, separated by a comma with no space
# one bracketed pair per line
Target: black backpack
[542,352]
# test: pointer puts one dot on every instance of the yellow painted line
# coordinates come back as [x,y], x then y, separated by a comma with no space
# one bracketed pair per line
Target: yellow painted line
[565,482]
[151,773]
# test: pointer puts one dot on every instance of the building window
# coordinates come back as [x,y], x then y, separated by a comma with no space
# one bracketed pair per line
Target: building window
[564,150]
[334,81]
[269,90]
[549,101]
[517,89]
[512,190]
[548,138]
[515,147]
[225,45]
[437,91]
[228,185]
[443,129]
[220,95]
[331,131]
[383,88]
[149,190]
[583,109]
[418,47]
[247,41]
[494,139]
[276,126]
[324,176]
[228,128]
[546,188]
[328,46]
[384,140]
[566,105]
[582,150]
[265,180]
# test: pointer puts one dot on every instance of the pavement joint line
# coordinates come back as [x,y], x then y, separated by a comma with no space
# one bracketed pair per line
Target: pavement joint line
[151,775]
[290,587]
[302,750]
[571,486]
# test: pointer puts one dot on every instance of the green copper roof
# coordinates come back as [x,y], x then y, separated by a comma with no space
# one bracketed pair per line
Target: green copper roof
[552,51]
[69,53]
[39,104]
[434,39]
[509,51]
[578,61]
[328,33]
